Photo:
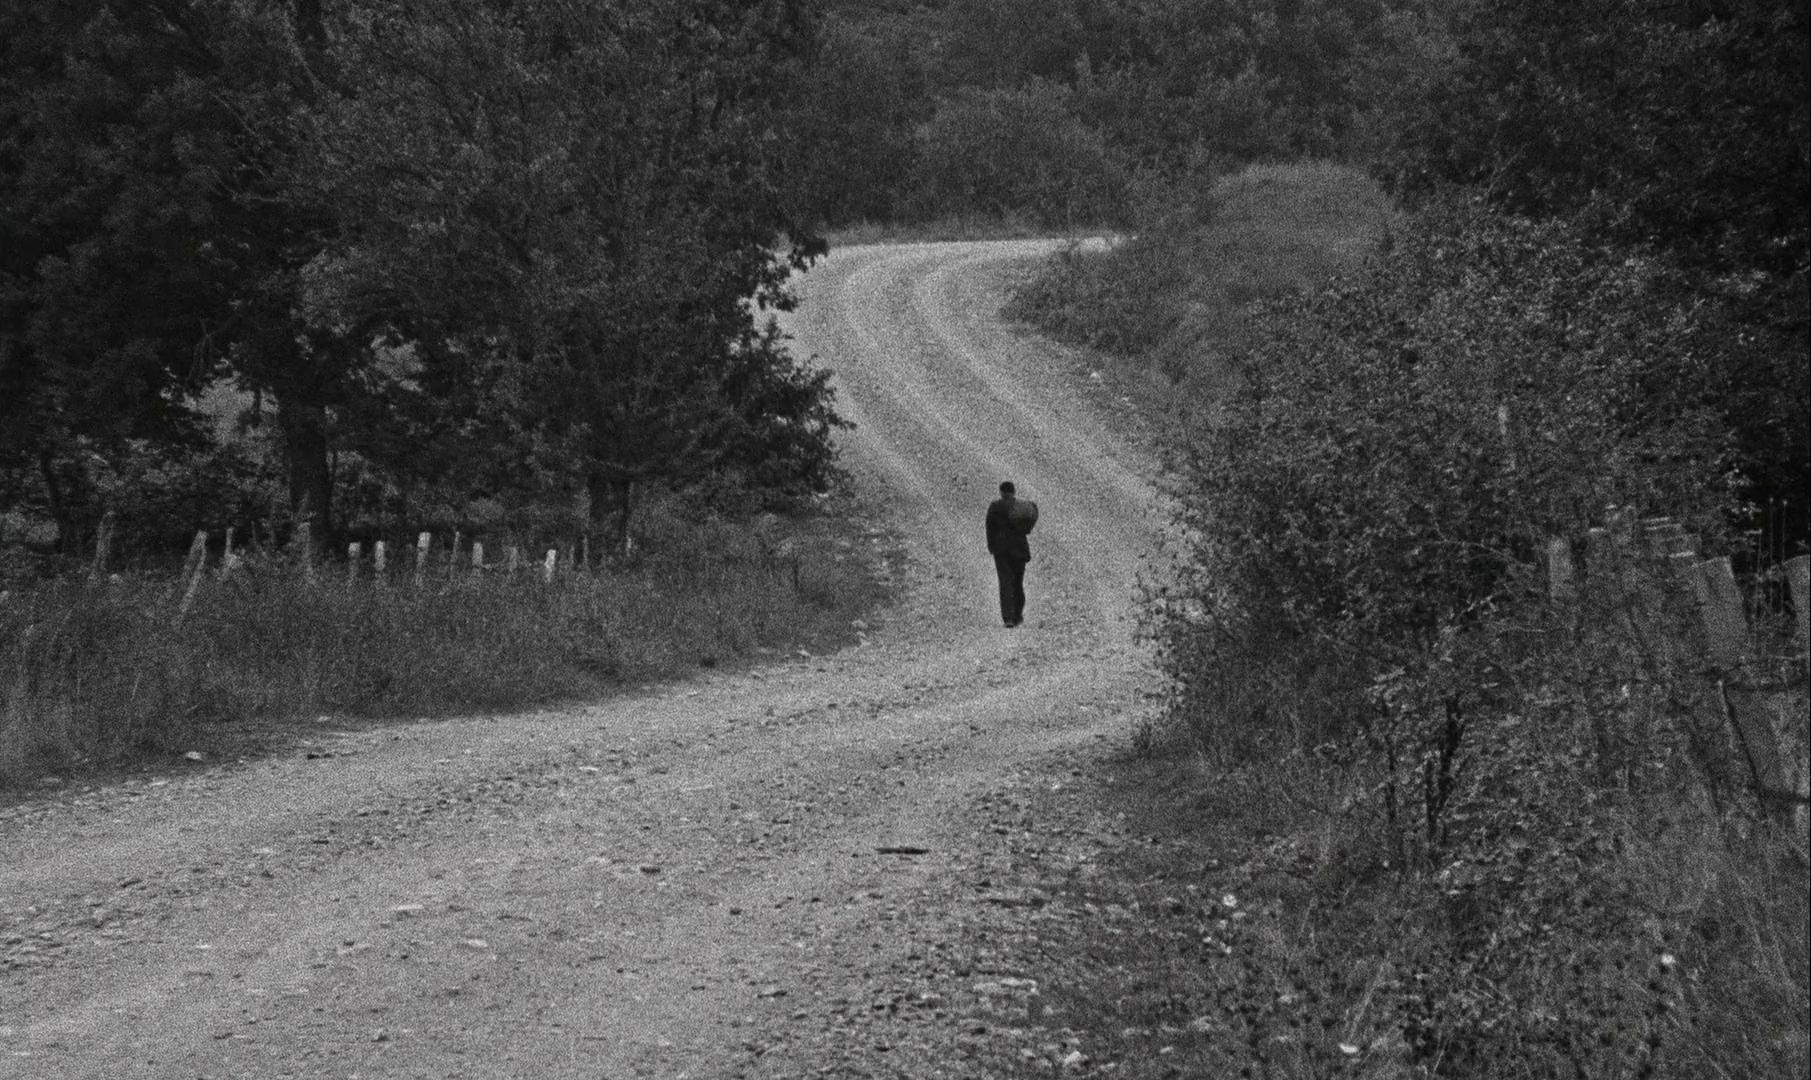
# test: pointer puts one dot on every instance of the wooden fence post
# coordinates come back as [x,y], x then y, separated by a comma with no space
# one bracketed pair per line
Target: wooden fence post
[103,547]
[379,558]
[1560,571]
[452,561]
[1720,606]
[550,564]
[423,543]
[354,551]
[1725,620]
[1798,579]
[303,542]
[192,568]
[515,560]
[477,555]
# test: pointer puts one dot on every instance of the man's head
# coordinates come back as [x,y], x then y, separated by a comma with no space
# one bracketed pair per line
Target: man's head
[1006,487]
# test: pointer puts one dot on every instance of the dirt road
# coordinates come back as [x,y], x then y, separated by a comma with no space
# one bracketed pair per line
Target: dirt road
[752,874]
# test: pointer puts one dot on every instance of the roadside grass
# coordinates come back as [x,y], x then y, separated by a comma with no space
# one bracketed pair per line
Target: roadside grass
[1168,300]
[1249,927]
[105,674]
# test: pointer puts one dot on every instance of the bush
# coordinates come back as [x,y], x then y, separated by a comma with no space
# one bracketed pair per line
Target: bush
[1551,859]
[1402,442]
[996,152]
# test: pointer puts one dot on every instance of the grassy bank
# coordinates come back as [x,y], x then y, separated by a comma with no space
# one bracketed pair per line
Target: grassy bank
[1465,775]
[1170,302]
[114,671]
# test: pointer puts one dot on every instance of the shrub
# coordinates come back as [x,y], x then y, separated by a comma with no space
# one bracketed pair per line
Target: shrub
[995,152]
[1401,442]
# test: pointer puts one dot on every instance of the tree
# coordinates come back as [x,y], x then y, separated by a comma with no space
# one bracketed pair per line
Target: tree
[1682,128]
[129,255]
[581,211]
[1001,151]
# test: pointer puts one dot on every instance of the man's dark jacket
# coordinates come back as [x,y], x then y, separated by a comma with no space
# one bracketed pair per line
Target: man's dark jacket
[1003,537]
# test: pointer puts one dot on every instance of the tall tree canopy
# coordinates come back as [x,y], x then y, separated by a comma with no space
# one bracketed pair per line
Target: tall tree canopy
[469,242]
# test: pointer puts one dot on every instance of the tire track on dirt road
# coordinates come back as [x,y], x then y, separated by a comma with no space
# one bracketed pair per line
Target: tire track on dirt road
[677,883]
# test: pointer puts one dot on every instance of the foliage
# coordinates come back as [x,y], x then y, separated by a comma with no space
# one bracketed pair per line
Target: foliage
[125,263]
[1160,87]
[1173,294]
[1403,442]
[1682,125]
[1677,127]
[1023,150]
[493,250]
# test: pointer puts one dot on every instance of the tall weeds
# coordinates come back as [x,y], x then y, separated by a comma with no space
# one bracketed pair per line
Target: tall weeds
[96,670]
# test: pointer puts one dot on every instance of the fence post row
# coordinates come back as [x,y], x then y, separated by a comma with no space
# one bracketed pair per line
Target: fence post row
[1730,647]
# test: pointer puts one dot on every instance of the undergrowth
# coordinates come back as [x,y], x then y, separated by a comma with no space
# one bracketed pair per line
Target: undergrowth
[1171,299]
[1480,795]
[103,671]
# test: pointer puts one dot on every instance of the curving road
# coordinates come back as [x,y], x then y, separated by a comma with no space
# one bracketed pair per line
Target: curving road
[683,883]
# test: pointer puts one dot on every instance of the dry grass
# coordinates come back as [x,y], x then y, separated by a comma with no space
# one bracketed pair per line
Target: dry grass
[98,673]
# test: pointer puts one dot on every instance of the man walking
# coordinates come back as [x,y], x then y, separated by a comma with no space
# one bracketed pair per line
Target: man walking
[1008,522]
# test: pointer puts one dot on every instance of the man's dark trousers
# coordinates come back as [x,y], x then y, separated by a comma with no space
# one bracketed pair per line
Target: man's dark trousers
[1012,588]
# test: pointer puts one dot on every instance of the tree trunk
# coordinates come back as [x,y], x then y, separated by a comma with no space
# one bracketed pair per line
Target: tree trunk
[59,506]
[310,474]
[612,497]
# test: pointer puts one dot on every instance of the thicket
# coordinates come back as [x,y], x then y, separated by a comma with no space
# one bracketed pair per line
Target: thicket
[1062,113]
[353,260]
[1532,840]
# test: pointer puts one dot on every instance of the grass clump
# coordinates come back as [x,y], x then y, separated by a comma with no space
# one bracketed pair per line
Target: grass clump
[102,671]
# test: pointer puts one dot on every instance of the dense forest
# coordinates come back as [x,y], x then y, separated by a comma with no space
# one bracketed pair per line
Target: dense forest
[360,263]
